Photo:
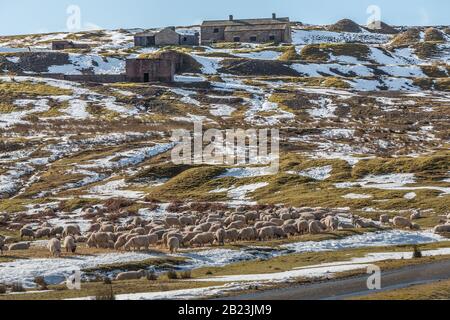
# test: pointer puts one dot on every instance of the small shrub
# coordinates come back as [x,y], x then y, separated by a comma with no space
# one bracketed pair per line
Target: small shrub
[40,281]
[186,274]
[172,275]
[417,254]
[17,287]
[208,273]
[105,294]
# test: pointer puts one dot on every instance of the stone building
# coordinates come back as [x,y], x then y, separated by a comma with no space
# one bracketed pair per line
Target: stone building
[246,30]
[165,37]
[150,70]
[64,44]
[158,67]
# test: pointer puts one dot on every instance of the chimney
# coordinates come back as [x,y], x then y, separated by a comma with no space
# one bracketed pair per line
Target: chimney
[274,16]
[231,17]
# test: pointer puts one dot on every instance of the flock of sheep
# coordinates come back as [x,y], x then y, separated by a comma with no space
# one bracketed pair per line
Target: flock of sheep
[195,229]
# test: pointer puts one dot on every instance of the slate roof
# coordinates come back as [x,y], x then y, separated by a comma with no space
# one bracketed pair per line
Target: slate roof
[244,22]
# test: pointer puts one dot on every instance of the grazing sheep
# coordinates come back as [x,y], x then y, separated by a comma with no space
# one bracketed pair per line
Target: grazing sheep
[131,275]
[221,235]
[94,227]
[384,218]
[278,222]
[120,242]
[302,226]
[202,239]
[174,244]
[236,225]
[204,227]
[285,216]
[188,236]
[25,232]
[247,234]
[69,244]
[186,221]
[365,223]
[107,228]
[443,228]
[289,229]
[54,246]
[71,230]
[172,221]
[315,227]
[401,222]
[331,223]
[308,216]
[232,235]
[415,215]
[278,232]
[266,233]
[19,246]
[251,216]
[141,231]
[172,234]
[259,224]
[345,225]
[137,221]
[98,240]
[137,243]
[57,230]
[43,232]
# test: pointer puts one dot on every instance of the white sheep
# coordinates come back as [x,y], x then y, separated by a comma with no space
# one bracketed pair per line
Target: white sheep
[202,239]
[69,244]
[131,275]
[71,230]
[221,236]
[232,235]
[19,246]
[331,223]
[443,228]
[138,242]
[247,234]
[99,240]
[401,222]
[174,244]
[315,227]
[266,233]
[54,246]
[302,226]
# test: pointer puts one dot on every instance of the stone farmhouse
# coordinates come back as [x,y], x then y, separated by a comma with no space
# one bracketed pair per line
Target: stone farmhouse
[246,30]
[165,37]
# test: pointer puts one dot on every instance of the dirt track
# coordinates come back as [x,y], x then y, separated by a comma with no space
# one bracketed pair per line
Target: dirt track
[355,286]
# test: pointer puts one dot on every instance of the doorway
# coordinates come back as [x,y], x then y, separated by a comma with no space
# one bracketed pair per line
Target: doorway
[146,77]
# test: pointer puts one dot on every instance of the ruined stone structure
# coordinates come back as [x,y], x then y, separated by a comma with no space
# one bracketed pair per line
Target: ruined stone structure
[150,70]
[161,67]
[165,37]
[276,30]
[64,44]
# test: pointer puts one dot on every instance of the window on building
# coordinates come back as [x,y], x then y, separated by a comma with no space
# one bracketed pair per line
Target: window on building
[216,30]
[184,39]
[272,38]
[237,39]
[253,39]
